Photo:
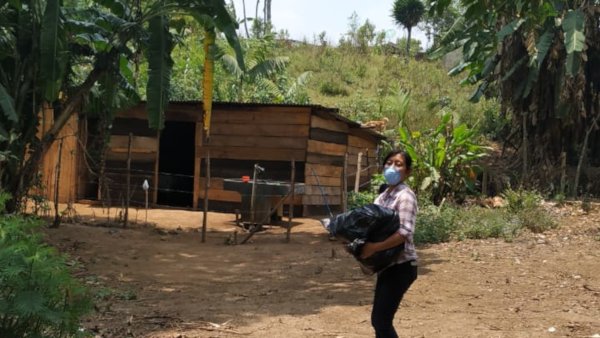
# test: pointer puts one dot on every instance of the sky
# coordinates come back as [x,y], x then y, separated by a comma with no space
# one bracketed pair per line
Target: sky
[307,18]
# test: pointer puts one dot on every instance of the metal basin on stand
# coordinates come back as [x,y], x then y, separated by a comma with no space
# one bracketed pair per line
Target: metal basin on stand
[267,195]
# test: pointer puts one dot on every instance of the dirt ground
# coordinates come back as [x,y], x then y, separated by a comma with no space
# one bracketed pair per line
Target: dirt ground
[159,280]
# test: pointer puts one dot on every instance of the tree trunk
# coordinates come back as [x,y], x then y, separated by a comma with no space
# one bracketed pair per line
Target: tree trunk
[268,18]
[245,19]
[256,20]
[408,44]
[22,180]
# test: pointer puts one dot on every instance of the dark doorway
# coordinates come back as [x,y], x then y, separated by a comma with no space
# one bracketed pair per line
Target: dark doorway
[176,164]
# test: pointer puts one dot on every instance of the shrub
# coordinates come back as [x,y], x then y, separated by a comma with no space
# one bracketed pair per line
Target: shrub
[518,200]
[480,223]
[38,296]
[357,200]
[537,220]
[331,88]
[435,224]
[4,197]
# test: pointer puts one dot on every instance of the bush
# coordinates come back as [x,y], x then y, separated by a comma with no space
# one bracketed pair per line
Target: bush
[331,88]
[38,296]
[4,197]
[537,220]
[435,225]
[480,223]
[518,200]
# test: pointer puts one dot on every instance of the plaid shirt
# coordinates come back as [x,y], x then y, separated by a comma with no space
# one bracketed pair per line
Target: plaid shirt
[402,199]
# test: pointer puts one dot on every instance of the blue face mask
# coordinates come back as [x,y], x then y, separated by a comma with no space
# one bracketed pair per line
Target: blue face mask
[392,176]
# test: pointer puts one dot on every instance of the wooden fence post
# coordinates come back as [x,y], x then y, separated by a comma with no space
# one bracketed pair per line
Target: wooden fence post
[128,180]
[291,205]
[358,170]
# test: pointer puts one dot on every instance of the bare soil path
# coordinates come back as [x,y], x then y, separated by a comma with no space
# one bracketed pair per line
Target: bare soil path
[161,281]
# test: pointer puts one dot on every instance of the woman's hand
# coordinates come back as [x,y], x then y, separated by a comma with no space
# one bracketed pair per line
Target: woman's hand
[368,250]
[371,248]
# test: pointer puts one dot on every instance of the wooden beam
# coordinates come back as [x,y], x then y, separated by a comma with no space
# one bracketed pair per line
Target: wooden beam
[274,129]
[322,170]
[257,141]
[326,148]
[261,117]
[248,153]
[334,125]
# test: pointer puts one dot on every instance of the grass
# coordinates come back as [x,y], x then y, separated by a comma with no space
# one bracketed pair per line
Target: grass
[450,222]
[366,86]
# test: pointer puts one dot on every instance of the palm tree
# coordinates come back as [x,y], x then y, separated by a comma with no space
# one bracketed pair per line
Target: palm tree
[408,13]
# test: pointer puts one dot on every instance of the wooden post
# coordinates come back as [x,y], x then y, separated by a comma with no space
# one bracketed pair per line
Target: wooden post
[563,172]
[206,186]
[358,169]
[253,196]
[197,164]
[128,180]
[345,184]
[156,167]
[56,222]
[291,205]
[484,183]
[525,151]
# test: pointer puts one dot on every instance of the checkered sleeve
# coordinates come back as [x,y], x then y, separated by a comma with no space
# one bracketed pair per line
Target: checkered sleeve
[407,212]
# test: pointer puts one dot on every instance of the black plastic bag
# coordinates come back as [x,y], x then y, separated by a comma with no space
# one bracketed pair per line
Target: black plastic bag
[369,223]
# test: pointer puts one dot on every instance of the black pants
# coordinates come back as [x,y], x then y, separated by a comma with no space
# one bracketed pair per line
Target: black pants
[392,283]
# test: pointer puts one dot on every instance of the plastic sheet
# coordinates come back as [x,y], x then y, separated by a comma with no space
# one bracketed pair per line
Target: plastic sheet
[369,223]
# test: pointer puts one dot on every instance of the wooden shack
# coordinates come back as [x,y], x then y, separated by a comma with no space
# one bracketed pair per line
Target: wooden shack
[319,140]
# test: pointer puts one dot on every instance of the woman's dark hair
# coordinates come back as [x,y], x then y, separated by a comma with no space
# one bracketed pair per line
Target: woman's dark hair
[407,158]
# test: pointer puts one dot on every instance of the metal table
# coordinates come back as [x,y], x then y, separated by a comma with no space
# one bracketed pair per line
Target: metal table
[268,196]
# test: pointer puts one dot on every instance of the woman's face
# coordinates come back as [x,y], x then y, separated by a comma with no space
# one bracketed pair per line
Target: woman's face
[397,161]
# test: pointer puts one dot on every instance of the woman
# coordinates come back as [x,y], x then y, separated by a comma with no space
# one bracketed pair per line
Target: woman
[395,280]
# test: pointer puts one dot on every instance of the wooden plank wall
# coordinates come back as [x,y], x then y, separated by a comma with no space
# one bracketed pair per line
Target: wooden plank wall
[368,147]
[144,157]
[241,136]
[68,180]
[324,161]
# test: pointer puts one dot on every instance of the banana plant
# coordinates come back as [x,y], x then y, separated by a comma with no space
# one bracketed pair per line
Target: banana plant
[539,56]
[61,54]
[445,158]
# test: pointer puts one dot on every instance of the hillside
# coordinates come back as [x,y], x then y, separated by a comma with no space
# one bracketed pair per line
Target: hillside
[373,85]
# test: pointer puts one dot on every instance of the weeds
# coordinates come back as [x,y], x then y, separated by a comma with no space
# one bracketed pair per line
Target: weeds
[39,296]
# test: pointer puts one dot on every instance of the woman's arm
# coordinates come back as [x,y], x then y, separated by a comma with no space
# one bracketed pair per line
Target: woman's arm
[372,247]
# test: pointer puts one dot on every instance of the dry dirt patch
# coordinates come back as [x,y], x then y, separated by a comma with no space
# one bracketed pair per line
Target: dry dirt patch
[163,282]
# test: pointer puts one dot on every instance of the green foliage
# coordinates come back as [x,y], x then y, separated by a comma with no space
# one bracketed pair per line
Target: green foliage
[4,197]
[333,88]
[521,199]
[408,13]
[58,55]
[434,224]
[39,298]
[526,204]
[536,56]
[361,198]
[450,222]
[537,220]
[159,70]
[445,159]
[480,223]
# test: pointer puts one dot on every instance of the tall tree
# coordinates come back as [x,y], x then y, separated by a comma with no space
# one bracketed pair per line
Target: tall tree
[543,59]
[245,19]
[408,13]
